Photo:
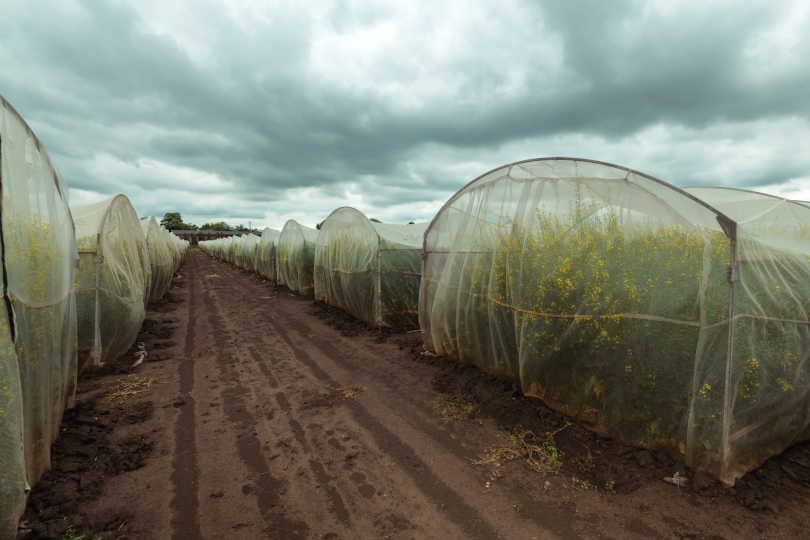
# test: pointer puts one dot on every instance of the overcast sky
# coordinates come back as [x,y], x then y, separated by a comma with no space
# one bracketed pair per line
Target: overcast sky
[260,111]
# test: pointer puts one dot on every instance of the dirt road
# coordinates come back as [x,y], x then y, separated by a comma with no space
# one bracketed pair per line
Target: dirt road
[261,415]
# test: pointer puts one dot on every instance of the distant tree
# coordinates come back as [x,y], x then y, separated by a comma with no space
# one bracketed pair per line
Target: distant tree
[174,221]
[217,226]
[375,220]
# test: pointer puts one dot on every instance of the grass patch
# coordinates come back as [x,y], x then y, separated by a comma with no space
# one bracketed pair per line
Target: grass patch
[453,408]
[72,534]
[584,485]
[539,451]
[351,392]
[131,386]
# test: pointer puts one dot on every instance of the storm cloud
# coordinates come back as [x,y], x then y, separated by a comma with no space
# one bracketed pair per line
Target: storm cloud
[251,112]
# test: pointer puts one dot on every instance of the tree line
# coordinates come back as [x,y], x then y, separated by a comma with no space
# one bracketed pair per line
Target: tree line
[174,221]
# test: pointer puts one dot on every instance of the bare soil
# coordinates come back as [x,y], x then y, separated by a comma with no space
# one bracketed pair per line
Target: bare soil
[260,414]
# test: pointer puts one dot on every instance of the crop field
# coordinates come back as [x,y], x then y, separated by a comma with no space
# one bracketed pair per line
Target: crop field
[311,424]
[567,349]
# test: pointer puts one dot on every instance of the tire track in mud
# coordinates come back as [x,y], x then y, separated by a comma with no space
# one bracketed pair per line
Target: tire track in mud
[287,320]
[329,451]
[336,504]
[185,474]
[453,504]
[321,484]
[462,514]
[362,460]
[269,489]
[544,517]
[388,447]
[383,481]
[328,348]
[263,367]
[295,426]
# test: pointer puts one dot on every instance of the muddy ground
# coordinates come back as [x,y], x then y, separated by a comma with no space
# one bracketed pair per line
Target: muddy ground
[258,414]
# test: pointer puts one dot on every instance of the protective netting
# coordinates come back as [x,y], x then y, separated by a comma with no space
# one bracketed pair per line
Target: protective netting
[217,248]
[230,251]
[769,378]
[242,251]
[177,246]
[369,269]
[246,251]
[112,279]
[266,254]
[608,294]
[213,248]
[296,257]
[162,258]
[38,315]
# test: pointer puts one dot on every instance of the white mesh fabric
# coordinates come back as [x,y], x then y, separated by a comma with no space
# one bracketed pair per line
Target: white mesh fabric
[246,251]
[163,258]
[38,359]
[766,403]
[296,257]
[600,290]
[111,282]
[266,254]
[369,269]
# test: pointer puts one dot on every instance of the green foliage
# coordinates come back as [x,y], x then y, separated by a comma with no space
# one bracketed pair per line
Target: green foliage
[174,221]
[36,260]
[400,275]
[216,226]
[612,314]
[599,318]
[539,451]
[451,407]
[72,534]
[584,485]
[625,325]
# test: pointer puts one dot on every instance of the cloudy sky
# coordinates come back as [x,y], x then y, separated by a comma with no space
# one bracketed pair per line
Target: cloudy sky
[260,111]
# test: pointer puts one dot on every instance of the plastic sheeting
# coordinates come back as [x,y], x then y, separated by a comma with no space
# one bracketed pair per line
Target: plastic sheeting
[112,281]
[296,257]
[38,316]
[371,270]
[609,294]
[162,258]
[266,254]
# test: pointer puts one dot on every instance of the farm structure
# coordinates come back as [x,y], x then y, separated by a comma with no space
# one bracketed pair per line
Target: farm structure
[295,257]
[369,269]
[38,359]
[666,318]
[113,279]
